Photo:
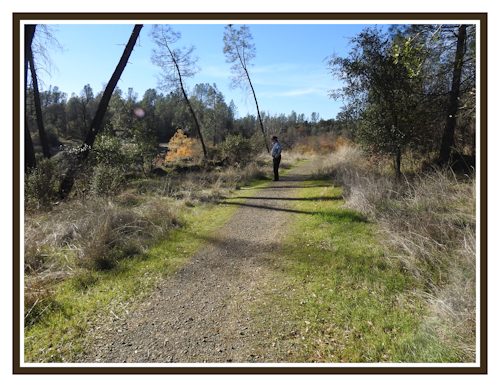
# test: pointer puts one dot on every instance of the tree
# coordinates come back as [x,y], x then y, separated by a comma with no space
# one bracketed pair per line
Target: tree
[86,98]
[54,112]
[30,33]
[29,151]
[180,147]
[380,93]
[447,141]
[214,113]
[447,55]
[69,178]
[240,51]
[176,65]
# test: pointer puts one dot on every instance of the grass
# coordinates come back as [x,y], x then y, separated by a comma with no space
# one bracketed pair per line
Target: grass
[340,299]
[347,287]
[428,226]
[89,262]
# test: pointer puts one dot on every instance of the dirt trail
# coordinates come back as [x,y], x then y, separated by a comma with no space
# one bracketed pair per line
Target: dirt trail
[201,313]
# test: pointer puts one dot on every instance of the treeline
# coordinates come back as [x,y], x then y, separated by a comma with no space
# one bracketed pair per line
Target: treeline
[408,91]
[161,115]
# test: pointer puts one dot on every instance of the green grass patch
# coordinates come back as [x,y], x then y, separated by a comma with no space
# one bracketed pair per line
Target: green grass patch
[338,298]
[60,324]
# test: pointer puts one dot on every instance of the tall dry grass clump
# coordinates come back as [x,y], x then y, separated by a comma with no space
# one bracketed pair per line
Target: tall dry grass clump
[89,234]
[363,186]
[429,226]
[288,159]
[80,238]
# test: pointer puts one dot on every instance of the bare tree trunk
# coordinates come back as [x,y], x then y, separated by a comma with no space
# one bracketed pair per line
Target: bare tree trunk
[195,120]
[258,111]
[29,151]
[30,33]
[233,45]
[198,129]
[257,105]
[69,178]
[447,141]
[398,164]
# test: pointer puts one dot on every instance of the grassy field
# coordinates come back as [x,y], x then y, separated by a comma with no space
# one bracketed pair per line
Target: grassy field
[345,286]
[338,299]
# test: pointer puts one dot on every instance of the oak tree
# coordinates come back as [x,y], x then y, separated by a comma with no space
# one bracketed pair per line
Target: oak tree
[446,55]
[379,94]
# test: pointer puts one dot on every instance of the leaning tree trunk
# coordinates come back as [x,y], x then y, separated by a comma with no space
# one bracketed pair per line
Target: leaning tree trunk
[186,99]
[447,141]
[29,151]
[256,104]
[69,178]
[258,112]
[195,121]
[30,32]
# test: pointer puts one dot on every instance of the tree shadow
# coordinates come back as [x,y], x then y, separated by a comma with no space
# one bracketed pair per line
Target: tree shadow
[261,207]
[318,198]
[275,186]
[330,216]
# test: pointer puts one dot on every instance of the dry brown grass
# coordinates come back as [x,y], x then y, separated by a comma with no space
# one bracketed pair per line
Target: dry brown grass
[78,238]
[429,226]
[288,159]
[75,238]
[83,233]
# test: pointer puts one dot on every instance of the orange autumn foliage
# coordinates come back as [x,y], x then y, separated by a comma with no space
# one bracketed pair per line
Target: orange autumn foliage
[180,147]
[342,142]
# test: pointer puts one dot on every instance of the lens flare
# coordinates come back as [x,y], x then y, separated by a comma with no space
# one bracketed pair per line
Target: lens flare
[139,112]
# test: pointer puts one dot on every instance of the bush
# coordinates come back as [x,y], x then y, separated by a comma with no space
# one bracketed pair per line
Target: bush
[106,180]
[145,148]
[181,147]
[52,137]
[236,148]
[108,150]
[40,185]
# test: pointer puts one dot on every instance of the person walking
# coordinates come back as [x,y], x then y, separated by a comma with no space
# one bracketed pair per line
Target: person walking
[276,155]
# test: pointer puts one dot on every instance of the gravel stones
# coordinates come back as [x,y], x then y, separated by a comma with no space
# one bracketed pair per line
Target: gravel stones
[201,314]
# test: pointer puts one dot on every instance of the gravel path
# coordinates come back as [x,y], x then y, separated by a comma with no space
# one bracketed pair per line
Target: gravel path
[201,313]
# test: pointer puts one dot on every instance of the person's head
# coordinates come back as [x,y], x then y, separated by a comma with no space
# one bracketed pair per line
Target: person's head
[274,139]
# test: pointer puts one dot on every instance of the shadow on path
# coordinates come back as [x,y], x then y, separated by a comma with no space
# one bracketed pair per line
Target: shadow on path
[314,199]
[268,208]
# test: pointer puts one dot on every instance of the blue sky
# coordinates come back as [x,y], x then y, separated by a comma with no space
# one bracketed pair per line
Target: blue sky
[289,72]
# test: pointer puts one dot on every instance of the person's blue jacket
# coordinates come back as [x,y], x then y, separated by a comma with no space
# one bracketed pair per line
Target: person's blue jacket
[276,150]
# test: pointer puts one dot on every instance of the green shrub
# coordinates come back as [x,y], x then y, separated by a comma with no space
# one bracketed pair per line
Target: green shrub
[145,149]
[52,137]
[108,150]
[106,180]
[40,185]
[215,153]
[236,148]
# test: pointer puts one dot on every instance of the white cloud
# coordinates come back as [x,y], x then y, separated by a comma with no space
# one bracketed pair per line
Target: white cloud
[217,71]
[298,92]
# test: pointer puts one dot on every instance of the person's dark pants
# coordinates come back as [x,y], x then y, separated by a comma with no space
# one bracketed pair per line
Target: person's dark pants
[276,164]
